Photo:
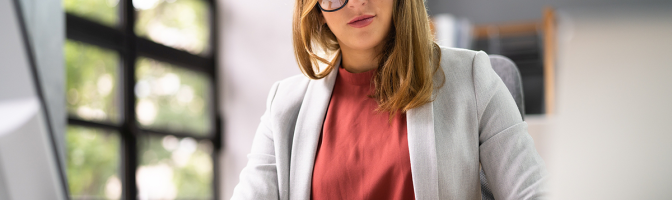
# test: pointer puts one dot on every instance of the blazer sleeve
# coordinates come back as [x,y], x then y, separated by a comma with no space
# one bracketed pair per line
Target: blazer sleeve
[259,180]
[509,159]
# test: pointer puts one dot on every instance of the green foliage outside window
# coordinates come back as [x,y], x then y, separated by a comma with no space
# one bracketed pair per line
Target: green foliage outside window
[172,98]
[92,163]
[181,24]
[91,82]
[102,11]
[169,98]
[174,168]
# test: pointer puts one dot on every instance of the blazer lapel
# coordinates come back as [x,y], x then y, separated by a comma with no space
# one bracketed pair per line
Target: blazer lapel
[422,150]
[307,133]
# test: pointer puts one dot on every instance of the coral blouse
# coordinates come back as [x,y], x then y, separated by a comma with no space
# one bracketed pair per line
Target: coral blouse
[361,155]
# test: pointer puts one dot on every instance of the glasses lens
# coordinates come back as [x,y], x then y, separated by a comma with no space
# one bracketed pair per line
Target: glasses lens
[331,4]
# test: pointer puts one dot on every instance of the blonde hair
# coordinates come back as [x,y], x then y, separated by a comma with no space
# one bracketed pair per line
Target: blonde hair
[407,64]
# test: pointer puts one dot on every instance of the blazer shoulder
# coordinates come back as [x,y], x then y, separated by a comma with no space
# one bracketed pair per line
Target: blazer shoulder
[288,94]
[452,58]
[455,50]
[294,81]
[459,66]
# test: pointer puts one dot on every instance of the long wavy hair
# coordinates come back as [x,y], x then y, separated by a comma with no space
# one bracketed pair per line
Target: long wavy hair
[408,62]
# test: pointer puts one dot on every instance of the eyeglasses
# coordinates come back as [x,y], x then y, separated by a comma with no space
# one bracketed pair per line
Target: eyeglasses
[331,5]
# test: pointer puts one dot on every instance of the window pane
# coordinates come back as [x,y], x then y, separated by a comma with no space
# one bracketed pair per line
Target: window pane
[181,24]
[93,163]
[91,82]
[101,11]
[174,168]
[172,98]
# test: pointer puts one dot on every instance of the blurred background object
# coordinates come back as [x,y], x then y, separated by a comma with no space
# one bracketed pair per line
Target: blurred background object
[141,92]
[30,160]
[611,137]
[181,24]
[596,83]
[160,99]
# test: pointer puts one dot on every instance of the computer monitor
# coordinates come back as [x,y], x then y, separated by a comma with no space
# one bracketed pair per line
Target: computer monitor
[29,164]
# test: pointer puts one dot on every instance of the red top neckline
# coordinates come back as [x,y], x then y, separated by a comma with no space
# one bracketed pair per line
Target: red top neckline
[361,79]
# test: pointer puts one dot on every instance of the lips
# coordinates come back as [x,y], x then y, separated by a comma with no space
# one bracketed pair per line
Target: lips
[361,21]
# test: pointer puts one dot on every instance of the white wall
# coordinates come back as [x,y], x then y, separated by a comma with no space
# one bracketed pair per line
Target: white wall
[45,23]
[611,138]
[255,51]
[28,166]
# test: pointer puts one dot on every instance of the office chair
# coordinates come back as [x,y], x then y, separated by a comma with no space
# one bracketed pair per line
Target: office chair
[509,74]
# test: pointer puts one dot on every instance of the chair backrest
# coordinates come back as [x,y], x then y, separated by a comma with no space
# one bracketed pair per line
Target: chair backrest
[509,74]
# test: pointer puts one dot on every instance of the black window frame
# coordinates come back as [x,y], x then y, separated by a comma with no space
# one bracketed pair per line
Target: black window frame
[129,46]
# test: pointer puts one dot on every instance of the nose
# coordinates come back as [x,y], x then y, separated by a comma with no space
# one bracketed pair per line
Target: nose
[356,3]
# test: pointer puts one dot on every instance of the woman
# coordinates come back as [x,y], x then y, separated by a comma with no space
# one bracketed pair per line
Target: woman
[391,116]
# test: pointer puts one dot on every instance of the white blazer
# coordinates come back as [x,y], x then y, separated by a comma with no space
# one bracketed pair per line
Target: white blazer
[472,121]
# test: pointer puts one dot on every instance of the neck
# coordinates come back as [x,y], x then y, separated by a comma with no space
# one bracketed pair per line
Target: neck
[359,60]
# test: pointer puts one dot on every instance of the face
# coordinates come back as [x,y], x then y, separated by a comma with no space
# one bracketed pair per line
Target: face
[361,24]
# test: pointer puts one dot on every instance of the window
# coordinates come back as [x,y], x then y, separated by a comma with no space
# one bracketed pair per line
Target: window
[143,119]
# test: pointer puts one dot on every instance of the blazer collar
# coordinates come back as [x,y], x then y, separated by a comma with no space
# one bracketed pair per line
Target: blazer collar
[422,150]
[420,133]
[307,133]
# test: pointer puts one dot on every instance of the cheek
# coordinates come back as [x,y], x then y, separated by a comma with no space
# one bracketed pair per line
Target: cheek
[333,20]
[387,7]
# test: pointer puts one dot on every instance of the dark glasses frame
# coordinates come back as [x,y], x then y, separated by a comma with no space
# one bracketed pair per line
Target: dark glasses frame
[334,10]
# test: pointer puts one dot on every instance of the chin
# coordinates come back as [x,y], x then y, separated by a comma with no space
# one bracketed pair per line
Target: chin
[365,43]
